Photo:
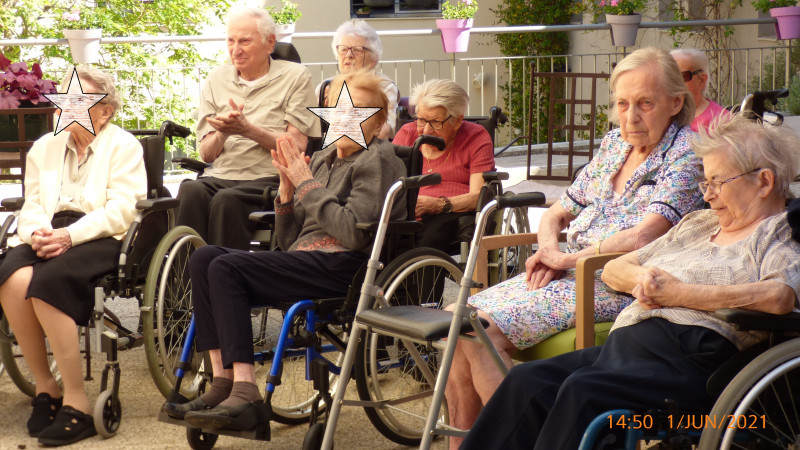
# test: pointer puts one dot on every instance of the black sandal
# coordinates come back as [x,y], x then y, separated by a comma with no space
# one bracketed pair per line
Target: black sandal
[44,412]
[69,427]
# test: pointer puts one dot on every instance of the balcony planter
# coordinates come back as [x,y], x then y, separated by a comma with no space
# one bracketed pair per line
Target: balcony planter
[788,26]
[624,28]
[379,3]
[283,33]
[84,45]
[455,34]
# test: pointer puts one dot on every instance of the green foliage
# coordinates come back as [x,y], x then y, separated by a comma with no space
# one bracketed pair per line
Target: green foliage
[793,101]
[289,13]
[461,9]
[763,6]
[517,91]
[616,7]
[143,86]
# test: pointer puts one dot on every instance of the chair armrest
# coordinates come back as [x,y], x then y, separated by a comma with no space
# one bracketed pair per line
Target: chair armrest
[191,164]
[489,243]
[12,203]
[267,217]
[157,204]
[584,297]
[743,319]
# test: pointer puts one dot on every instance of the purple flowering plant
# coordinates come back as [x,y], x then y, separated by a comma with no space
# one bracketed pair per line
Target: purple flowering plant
[19,84]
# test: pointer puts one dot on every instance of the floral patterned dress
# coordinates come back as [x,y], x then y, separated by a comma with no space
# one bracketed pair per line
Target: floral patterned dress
[666,184]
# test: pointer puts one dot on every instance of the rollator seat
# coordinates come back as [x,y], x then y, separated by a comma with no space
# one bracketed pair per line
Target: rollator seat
[416,322]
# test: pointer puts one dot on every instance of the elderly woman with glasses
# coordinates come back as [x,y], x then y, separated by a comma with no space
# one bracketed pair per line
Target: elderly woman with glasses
[641,182]
[357,46]
[738,254]
[81,188]
[694,68]
[439,108]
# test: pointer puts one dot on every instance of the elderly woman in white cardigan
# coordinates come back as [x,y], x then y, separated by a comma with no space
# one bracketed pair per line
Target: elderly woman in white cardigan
[80,192]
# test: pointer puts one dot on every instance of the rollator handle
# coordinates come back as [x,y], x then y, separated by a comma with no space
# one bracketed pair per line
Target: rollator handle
[430,140]
[526,199]
[418,181]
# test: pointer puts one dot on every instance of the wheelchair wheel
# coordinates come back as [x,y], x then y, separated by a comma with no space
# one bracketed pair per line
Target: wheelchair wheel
[15,364]
[384,370]
[758,409]
[107,414]
[293,398]
[511,260]
[198,440]
[167,310]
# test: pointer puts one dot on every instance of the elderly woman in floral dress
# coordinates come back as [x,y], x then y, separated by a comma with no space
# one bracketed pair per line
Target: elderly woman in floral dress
[643,180]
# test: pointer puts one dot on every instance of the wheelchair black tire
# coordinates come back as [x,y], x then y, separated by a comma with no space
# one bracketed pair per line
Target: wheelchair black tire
[199,440]
[165,318]
[15,365]
[758,386]
[400,281]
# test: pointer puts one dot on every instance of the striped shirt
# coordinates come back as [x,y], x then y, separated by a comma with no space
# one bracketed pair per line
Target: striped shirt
[687,253]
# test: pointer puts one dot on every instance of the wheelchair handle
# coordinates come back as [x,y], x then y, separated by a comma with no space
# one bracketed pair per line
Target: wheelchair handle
[431,140]
[418,181]
[526,199]
[171,129]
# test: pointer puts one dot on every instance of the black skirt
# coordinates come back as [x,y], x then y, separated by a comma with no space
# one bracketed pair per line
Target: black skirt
[66,281]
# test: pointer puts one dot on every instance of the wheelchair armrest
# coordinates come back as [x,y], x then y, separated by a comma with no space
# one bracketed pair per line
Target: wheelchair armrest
[584,297]
[12,203]
[267,217]
[191,164]
[743,319]
[157,204]
[397,227]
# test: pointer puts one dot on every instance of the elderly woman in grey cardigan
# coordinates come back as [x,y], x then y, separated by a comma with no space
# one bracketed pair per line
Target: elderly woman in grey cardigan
[317,210]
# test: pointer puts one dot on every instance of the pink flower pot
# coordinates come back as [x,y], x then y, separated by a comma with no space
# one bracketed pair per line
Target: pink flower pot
[455,34]
[788,26]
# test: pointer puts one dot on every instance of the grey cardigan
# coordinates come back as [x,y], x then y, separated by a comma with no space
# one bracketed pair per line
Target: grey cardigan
[324,212]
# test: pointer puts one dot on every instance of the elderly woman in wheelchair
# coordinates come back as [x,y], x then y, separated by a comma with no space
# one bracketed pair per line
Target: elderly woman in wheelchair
[318,207]
[642,181]
[738,254]
[80,192]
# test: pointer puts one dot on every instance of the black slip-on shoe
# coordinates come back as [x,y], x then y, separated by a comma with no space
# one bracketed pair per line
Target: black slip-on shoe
[241,418]
[179,410]
[44,413]
[69,427]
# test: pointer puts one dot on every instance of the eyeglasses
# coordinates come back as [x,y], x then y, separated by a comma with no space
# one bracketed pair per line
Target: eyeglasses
[687,76]
[716,186]
[356,49]
[435,124]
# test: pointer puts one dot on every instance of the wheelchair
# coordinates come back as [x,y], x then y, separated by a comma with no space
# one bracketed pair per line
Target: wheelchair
[312,339]
[152,222]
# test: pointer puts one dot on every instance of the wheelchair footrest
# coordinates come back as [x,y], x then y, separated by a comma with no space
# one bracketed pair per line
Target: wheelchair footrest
[416,322]
[260,433]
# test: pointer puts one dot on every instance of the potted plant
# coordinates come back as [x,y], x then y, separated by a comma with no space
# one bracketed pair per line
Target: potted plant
[455,24]
[621,15]
[285,19]
[364,11]
[21,100]
[785,12]
[83,31]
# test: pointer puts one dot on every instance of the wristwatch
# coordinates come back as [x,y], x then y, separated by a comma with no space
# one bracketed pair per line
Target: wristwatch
[447,207]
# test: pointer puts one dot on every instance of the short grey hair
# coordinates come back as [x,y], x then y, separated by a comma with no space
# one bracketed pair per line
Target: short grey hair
[440,93]
[749,145]
[361,29]
[698,58]
[264,22]
[671,80]
[104,82]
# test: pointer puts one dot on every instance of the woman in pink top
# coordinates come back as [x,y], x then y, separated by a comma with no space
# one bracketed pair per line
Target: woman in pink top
[694,68]
[468,152]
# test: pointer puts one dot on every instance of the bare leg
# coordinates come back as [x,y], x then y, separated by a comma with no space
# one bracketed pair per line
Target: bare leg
[216,365]
[29,333]
[244,372]
[62,333]
[474,377]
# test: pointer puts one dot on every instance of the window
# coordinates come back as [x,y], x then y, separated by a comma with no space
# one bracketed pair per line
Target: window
[395,8]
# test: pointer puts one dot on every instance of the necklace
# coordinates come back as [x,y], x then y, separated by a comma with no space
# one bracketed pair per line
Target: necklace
[430,164]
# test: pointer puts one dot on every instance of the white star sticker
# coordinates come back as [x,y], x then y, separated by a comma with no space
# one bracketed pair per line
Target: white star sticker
[344,119]
[74,105]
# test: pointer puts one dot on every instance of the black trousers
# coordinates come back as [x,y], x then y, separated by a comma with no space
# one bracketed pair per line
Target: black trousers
[445,231]
[228,283]
[548,404]
[218,209]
